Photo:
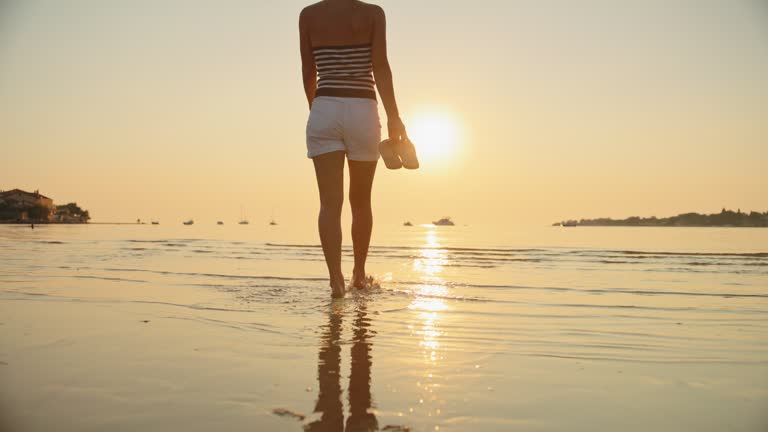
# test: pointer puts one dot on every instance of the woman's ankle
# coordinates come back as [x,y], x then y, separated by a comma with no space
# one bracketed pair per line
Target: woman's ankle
[359,279]
[337,287]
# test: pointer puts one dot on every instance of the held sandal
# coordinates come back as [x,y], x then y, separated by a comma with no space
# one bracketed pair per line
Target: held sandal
[388,150]
[407,152]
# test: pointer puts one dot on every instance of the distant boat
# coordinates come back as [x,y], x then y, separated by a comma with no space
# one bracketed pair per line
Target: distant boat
[243,219]
[408,223]
[272,222]
[189,222]
[219,223]
[272,218]
[155,223]
[446,221]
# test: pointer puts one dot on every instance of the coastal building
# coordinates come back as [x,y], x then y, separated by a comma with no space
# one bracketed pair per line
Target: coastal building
[65,214]
[18,198]
[23,200]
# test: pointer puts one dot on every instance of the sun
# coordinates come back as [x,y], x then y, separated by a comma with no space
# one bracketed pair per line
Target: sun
[435,135]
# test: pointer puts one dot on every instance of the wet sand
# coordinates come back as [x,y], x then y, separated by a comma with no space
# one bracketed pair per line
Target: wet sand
[129,332]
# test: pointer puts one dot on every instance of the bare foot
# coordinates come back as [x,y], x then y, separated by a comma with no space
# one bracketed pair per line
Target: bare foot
[364,282]
[359,280]
[337,288]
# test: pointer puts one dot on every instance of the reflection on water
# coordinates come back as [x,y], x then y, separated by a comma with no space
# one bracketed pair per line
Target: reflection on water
[329,387]
[429,264]
[429,301]
[360,399]
[329,400]
[432,259]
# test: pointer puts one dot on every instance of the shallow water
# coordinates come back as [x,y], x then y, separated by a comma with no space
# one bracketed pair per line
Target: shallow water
[122,327]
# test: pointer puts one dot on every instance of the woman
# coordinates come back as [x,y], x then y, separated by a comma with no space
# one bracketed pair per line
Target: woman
[344,42]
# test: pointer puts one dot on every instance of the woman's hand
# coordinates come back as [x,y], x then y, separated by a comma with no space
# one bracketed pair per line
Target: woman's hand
[396,129]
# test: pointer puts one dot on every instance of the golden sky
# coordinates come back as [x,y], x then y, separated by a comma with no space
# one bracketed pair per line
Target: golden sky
[527,111]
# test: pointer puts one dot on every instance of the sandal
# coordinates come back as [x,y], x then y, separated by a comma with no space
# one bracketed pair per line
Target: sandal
[407,152]
[388,150]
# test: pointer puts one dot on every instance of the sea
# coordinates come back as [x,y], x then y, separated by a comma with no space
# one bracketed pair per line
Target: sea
[171,327]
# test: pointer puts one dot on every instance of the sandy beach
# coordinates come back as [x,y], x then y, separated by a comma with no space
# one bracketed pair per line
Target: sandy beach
[127,328]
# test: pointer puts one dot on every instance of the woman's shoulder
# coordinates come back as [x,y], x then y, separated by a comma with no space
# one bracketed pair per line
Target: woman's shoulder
[311,8]
[372,8]
[317,7]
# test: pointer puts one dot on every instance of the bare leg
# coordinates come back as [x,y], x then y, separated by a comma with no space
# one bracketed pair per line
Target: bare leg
[329,169]
[360,184]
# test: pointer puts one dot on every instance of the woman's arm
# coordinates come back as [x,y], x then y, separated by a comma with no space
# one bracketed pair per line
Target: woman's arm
[308,67]
[383,75]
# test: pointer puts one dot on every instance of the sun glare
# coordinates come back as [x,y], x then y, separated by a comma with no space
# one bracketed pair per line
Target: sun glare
[435,136]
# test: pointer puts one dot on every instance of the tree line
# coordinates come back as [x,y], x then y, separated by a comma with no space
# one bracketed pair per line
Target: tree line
[68,213]
[726,218]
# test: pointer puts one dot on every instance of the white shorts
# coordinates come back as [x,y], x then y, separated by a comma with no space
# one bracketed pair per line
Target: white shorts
[344,124]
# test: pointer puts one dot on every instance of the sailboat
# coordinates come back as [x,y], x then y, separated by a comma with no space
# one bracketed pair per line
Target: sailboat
[272,220]
[243,220]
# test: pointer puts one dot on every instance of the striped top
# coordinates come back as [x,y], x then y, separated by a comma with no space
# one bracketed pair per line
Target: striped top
[345,71]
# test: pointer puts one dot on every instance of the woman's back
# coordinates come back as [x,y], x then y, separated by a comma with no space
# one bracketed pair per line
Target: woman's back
[340,22]
[340,35]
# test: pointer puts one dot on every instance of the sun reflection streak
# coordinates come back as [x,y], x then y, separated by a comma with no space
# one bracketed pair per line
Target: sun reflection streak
[430,296]
[431,259]
[430,304]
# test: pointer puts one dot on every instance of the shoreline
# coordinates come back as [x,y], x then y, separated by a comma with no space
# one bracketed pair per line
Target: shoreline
[551,226]
[74,223]
[655,226]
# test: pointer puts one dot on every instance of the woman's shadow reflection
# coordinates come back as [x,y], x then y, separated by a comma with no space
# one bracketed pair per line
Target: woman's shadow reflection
[329,400]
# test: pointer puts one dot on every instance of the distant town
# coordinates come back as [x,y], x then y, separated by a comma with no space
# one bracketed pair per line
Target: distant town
[726,218]
[18,206]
